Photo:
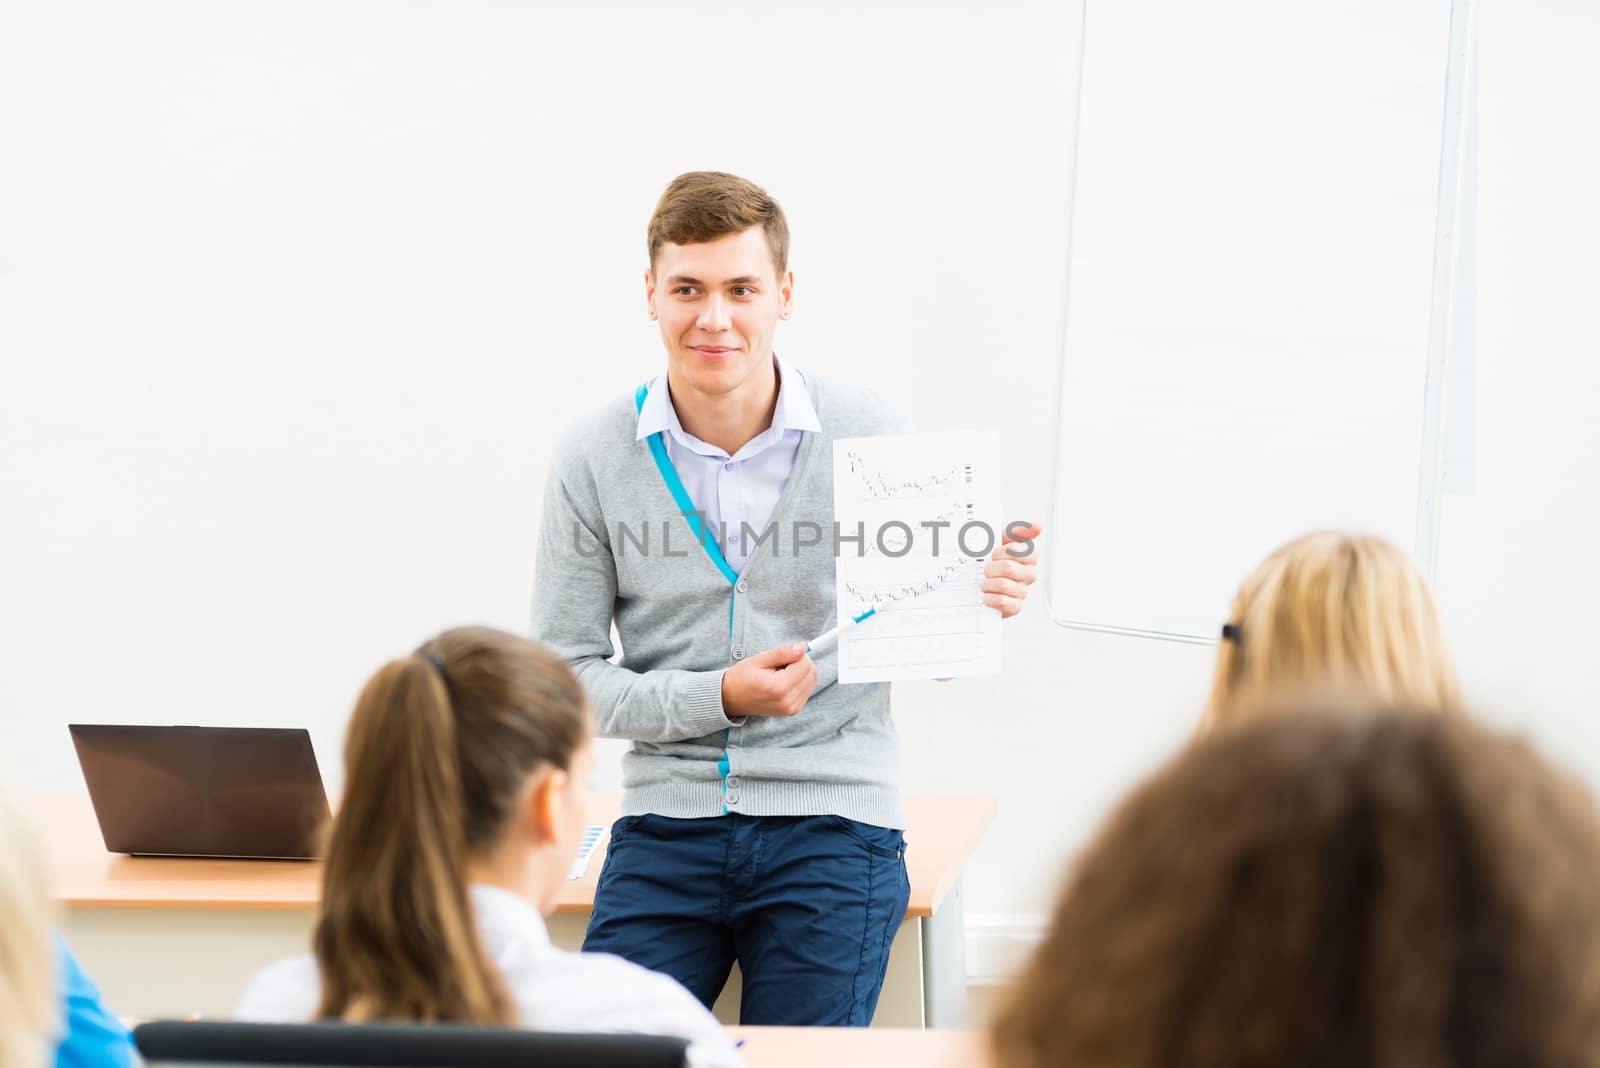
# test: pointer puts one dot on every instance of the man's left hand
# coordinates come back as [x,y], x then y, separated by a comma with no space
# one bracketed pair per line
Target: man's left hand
[1006,577]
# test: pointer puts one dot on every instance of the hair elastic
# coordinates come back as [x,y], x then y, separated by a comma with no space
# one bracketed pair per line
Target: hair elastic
[1230,632]
[438,663]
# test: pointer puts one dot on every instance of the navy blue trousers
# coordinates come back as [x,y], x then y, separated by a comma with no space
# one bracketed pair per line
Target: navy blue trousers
[806,904]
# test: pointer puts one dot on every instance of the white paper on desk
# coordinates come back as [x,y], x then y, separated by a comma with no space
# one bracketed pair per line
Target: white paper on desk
[580,863]
[931,621]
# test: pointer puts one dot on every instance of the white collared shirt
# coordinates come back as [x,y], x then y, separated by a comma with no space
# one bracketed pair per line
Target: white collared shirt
[553,989]
[743,488]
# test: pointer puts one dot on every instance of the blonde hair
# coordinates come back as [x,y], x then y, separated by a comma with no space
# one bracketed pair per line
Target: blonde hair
[1331,610]
[1330,887]
[27,978]
[439,745]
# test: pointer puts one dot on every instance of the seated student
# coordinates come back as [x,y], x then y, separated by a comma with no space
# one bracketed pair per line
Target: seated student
[90,1036]
[1327,891]
[27,1007]
[466,779]
[1331,608]
[78,1029]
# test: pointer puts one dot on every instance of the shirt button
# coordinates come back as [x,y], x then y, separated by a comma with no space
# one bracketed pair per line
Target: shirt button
[733,782]
[727,467]
[743,585]
[733,797]
[738,654]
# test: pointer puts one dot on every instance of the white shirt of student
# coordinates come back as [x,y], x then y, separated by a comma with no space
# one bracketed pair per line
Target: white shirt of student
[554,990]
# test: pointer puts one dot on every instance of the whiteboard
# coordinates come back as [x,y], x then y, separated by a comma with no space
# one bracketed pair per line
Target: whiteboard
[1249,343]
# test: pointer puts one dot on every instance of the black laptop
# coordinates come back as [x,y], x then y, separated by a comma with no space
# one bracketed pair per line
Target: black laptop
[203,791]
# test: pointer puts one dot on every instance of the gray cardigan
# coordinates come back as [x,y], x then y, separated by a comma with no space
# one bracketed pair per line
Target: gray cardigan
[683,618]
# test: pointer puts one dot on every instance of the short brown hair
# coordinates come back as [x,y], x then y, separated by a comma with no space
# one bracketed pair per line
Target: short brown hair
[1324,890]
[705,205]
[439,746]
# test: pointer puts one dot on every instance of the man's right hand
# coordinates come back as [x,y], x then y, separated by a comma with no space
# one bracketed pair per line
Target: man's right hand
[774,683]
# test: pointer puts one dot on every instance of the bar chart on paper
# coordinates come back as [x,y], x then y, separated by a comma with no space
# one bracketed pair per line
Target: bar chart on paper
[926,508]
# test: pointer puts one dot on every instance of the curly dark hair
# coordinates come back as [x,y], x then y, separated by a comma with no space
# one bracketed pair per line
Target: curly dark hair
[1327,891]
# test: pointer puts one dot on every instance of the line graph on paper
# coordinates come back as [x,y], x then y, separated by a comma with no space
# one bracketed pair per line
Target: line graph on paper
[925,507]
[950,585]
[877,521]
[876,484]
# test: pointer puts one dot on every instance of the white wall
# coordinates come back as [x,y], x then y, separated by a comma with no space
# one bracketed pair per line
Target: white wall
[293,299]
[296,297]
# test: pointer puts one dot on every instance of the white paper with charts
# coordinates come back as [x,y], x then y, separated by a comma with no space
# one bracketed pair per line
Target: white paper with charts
[928,509]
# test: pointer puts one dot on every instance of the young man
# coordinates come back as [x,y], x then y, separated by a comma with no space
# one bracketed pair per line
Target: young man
[761,806]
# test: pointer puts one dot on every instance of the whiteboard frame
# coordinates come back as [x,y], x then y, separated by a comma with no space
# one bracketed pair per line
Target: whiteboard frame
[1453,232]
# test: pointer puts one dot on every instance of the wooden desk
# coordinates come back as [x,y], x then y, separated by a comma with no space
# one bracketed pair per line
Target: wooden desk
[879,1047]
[225,918]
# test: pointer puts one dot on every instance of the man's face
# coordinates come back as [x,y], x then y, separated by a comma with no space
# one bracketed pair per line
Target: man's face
[718,303]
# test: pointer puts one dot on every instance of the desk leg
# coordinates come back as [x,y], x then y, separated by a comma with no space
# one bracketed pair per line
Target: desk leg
[944,963]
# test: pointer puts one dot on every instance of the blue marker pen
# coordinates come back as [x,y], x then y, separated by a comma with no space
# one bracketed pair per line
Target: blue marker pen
[828,637]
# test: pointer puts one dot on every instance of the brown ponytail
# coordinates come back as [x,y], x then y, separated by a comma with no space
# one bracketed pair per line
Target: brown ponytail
[439,746]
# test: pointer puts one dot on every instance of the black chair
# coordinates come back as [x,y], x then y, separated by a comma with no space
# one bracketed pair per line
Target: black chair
[337,1045]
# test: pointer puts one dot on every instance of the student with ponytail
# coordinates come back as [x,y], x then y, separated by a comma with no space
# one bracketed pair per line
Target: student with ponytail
[466,768]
